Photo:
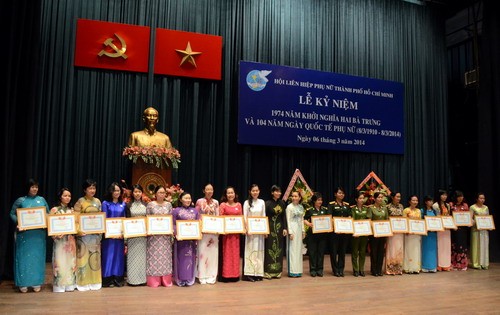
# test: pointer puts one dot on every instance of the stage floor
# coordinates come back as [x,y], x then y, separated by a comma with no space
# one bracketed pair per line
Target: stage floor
[455,292]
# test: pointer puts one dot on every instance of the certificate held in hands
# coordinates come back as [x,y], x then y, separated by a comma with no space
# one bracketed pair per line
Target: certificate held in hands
[434,224]
[134,227]
[321,224]
[92,223]
[362,228]
[399,224]
[212,224]
[31,218]
[343,225]
[257,225]
[484,222]
[462,218]
[417,226]
[382,228]
[160,224]
[114,228]
[61,224]
[188,230]
[234,224]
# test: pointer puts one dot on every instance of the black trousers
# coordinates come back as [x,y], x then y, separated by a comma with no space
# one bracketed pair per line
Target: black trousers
[377,252]
[338,246]
[316,245]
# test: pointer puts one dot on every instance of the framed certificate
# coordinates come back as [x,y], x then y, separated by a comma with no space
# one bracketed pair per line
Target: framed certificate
[188,230]
[462,218]
[434,224]
[134,227]
[362,227]
[343,225]
[257,225]
[381,228]
[234,224]
[61,224]
[417,227]
[160,224]
[212,224]
[31,218]
[92,223]
[484,222]
[114,228]
[322,224]
[448,222]
[399,224]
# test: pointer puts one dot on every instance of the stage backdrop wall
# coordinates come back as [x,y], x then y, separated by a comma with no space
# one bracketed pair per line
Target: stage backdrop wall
[82,117]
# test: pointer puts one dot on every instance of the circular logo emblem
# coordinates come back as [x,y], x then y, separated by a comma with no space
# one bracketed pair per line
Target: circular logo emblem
[257,79]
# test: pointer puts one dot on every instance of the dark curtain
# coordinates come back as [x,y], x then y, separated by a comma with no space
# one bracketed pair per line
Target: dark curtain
[20,24]
[488,151]
[82,117]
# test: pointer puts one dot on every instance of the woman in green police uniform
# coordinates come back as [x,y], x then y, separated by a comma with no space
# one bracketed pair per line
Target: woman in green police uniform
[359,212]
[378,212]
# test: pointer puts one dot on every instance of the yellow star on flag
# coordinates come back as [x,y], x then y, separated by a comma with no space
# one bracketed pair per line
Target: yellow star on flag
[188,55]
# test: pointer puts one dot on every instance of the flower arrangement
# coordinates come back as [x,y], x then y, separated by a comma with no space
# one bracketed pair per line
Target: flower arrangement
[298,183]
[372,184]
[153,155]
[173,193]
[373,187]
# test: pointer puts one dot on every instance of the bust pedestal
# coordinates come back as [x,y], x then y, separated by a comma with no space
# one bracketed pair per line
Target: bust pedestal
[149,176]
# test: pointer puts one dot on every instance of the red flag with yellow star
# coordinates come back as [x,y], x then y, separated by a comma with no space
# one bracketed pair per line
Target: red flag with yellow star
[188,54]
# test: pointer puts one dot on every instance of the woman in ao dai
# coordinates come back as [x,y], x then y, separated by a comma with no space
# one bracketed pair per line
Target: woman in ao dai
[88,247]
[230,242]
[296,233]
[459,237]
[254,244]
[136,246]
[395,244]
[208,246]
[159,247]
[184,250]
[413,242]
[429,241]
[480,239]
[64,250]
[113,249]
[443,237]
[30,245]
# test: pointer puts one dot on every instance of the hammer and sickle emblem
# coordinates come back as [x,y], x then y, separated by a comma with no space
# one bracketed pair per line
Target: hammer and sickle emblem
[118,52]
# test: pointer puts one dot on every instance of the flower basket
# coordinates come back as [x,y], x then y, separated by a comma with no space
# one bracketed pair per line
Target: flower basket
[153,155]
[372,184]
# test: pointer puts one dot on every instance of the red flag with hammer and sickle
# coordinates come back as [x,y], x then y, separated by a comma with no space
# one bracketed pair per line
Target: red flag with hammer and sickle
[112,46]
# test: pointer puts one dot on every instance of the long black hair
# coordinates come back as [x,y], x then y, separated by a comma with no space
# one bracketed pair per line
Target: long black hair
[250,199]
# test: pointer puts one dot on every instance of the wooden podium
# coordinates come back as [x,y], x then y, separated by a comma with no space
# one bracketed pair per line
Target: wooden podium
[149,176]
